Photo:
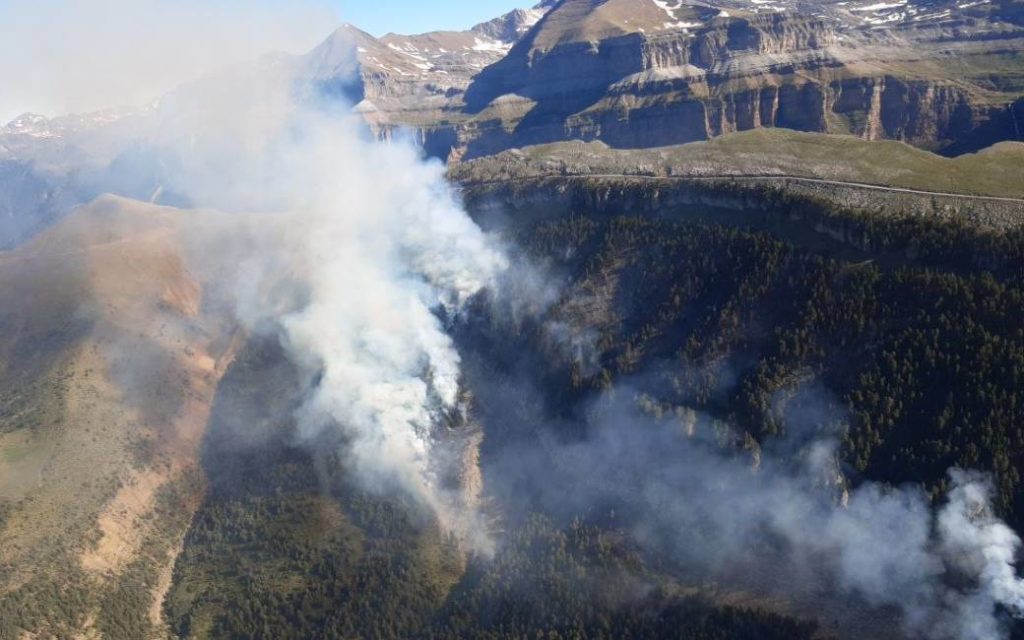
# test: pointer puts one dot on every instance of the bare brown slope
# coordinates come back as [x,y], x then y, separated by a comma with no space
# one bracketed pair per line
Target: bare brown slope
[108,367]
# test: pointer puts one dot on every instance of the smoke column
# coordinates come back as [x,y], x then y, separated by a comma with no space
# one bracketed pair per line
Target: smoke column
[351,249]
[384,246]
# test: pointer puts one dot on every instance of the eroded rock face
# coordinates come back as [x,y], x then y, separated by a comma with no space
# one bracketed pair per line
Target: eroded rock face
[640,73]
[400,80]
[945,75]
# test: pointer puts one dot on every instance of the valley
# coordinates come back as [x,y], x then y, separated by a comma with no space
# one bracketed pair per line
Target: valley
[709,337]
[600,319]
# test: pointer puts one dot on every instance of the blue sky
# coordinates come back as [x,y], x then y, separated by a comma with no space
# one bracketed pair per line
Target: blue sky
[415,16]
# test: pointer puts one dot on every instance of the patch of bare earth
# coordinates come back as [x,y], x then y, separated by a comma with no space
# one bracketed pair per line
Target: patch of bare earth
[126,522]
[123,522]
[119,409]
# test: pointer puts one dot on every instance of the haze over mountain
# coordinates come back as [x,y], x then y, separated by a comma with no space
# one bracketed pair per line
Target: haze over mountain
[944,76]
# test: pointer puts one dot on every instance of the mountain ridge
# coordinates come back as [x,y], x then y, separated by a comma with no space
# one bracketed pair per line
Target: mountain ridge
[938,74]
[640,73]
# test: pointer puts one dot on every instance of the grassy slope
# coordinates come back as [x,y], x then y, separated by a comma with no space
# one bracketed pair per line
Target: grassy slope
[993,172]
[97,462]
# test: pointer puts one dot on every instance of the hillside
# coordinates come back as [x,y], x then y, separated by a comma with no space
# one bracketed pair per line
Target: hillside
[754,330]
[285,546]
[719,325]
[722,312]
[108,367]
[154,485]
[151,483]
[770,152]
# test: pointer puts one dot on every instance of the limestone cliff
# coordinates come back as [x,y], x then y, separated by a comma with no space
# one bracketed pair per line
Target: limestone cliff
[641,73]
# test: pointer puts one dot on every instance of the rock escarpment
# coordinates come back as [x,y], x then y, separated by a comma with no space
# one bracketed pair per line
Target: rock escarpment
[944,75]
[642,73]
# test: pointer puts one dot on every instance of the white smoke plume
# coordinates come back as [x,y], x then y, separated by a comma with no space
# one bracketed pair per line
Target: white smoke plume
[950,572]
[777,520]
[383,245]
[978,545]
[362,249]
[350,249]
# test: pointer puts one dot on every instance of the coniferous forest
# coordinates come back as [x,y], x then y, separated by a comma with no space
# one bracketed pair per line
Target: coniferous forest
[920,354]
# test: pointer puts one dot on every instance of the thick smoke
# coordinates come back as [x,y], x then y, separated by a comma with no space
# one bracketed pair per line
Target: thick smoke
[384,246]
[354,252]
[361,250]
[776,520]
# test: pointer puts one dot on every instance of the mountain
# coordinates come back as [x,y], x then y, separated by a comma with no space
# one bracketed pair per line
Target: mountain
[417,75]
[731,379]
[874,70]
[942,75]
[153,482]
[99,451]
[50,165]
[638,73]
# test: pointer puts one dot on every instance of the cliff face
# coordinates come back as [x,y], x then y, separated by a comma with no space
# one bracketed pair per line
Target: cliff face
[922,83]
[640,73]
[920,111]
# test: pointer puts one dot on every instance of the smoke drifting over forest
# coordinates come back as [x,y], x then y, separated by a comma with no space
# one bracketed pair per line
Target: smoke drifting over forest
[777,519]
[358,247]
[359,255]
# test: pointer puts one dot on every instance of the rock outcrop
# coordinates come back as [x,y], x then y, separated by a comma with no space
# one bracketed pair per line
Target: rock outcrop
[641,73]
[944,75]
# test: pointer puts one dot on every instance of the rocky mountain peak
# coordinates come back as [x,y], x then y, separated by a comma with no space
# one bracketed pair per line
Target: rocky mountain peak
[430,67]
[595,20]
[337,55]
[510,27]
